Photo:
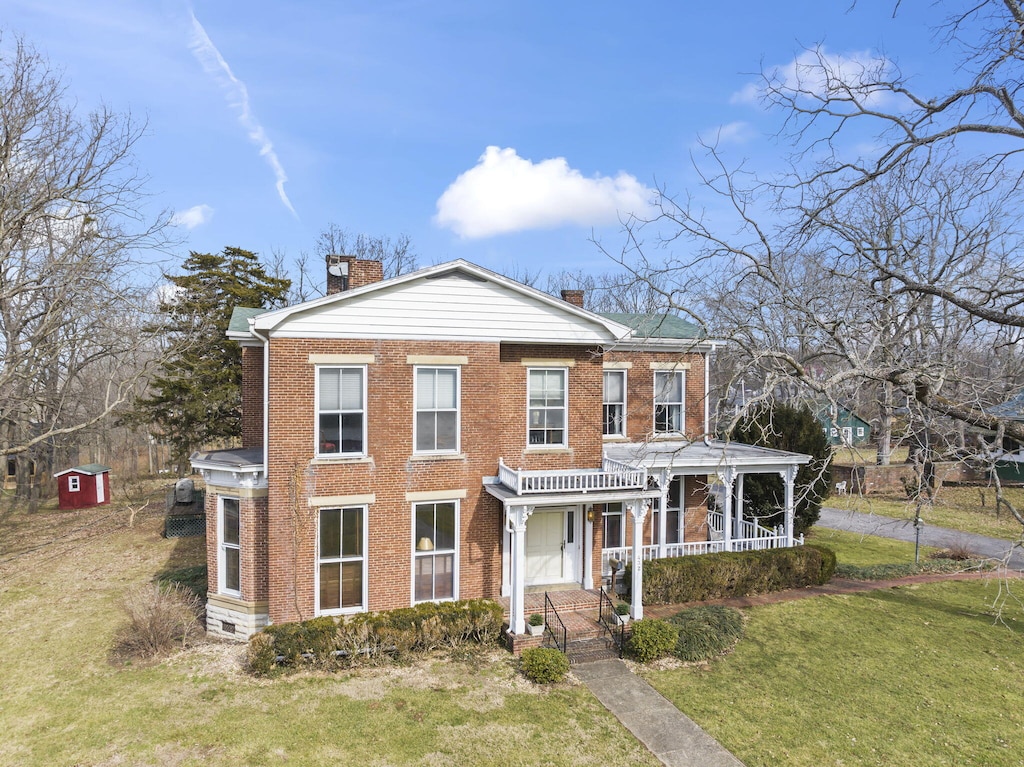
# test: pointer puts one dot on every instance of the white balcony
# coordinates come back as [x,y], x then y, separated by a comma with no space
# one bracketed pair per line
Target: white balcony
[613,475]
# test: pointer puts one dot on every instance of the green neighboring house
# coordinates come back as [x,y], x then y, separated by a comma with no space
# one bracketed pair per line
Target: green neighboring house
[1010,467]
[844,427]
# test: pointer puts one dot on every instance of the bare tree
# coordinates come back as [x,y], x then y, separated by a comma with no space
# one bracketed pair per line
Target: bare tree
[72,233]
[396,256]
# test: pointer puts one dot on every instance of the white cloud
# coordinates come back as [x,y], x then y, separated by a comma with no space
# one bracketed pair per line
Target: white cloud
[504,193]
[818,74]
[238,97]
[731,133]
[195,216]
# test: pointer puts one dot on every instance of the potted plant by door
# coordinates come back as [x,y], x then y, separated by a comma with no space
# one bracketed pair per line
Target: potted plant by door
[535,624]
[622,613]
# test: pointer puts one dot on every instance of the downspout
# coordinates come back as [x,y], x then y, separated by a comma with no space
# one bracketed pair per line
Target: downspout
[266,395]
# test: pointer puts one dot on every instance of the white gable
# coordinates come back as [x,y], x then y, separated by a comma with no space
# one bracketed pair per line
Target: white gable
[456,304]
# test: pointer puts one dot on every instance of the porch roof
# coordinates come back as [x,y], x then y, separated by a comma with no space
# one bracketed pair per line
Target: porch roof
[237,459]
[508,496]
[702,456]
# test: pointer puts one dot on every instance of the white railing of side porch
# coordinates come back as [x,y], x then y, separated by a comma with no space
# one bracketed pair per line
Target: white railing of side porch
[624,554]
[749,529]
[612,475]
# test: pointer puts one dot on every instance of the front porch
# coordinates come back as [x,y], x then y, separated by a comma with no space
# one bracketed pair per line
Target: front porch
[639,479]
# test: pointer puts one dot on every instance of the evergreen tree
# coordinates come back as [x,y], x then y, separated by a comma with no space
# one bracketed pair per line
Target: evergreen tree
[196,397]
[785,427]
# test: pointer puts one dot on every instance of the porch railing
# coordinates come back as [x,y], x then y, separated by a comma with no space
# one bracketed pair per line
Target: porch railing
[613,475]
[692,548]
[748,528]
[606,617]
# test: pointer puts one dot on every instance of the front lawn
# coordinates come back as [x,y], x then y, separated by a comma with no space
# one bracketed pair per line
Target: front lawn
[920,675]
[66,701]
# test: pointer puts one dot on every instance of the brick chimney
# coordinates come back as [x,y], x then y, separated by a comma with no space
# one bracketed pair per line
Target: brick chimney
[348,272]
[574,297]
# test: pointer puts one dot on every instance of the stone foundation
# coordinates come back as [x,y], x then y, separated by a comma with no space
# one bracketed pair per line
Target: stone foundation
[231,618]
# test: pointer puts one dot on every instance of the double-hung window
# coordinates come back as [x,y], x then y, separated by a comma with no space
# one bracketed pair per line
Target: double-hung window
[614,403]
[668,401]
[342,560]
[341,411]
[437,410]
[547,406]
[434,541]
[74,484]
[230,547]
[614,532]
[672,512]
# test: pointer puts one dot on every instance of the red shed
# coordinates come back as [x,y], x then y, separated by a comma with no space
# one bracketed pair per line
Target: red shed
[83,486]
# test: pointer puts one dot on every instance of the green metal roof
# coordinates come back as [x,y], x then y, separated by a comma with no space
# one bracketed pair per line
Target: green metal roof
[656,325]
[87,468]
[240,315]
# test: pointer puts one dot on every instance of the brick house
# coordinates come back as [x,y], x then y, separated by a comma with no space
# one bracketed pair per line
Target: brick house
[452,434]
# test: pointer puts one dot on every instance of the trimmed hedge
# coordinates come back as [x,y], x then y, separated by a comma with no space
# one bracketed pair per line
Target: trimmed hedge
[544,665]
[374,637]
[735,574]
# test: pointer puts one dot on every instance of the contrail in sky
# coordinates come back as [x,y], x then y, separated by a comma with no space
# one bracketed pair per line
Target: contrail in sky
[238,97]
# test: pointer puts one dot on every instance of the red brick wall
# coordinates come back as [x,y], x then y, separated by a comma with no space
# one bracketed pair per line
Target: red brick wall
[360,273]
[253,549]
[640,391]
[252,396]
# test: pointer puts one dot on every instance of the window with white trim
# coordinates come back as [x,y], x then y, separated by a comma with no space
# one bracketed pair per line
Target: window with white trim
[229,568]
[341,560]
[74,484]
[341,411]
[614,532]
[547,406]
[435,552]
[614,403]
[437,410]
[668,401]
[860,431]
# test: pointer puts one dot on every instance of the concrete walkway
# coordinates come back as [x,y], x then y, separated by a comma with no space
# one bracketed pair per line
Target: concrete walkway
[670,735]
[903,530]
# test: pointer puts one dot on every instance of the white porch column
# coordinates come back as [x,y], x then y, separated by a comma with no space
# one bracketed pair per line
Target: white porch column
[588,546]
[515,523]
[789,479]
[738,527]
[728,480]
[638,509]
[663,480]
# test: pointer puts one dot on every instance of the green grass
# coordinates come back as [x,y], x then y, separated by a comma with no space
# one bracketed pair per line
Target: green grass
[922,675]
[969,509]
[864,550]
[65,701]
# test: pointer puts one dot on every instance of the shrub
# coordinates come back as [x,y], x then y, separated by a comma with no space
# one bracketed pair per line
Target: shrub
[260,655]
[958,552]
[160,618]
[622,608]
[652,639]
[536,620]
[706,632]
[544,665]
[732,574]
[377,637]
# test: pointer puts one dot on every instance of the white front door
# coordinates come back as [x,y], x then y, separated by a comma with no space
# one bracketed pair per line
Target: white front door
[552,546]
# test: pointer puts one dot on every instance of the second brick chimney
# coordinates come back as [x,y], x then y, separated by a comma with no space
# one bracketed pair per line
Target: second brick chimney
[348,272]
[574,297]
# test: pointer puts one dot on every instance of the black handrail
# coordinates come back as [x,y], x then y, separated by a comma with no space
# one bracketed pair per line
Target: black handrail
[564,644]
[606,616]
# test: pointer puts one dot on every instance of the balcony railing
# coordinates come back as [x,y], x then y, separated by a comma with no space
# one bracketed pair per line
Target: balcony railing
[613,475]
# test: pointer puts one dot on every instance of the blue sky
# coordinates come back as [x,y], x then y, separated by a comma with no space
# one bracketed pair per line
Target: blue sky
[499,132]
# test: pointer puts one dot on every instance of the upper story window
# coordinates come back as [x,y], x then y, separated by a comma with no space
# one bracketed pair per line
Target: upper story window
[341,411]
[548,406]
[614,403]
[342,561]
[437,410]
[668,401]
[229,559]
